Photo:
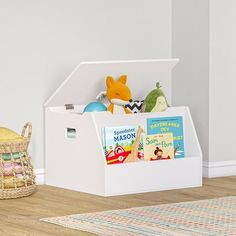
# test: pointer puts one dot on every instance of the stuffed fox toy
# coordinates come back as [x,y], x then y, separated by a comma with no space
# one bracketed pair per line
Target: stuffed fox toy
[118,95]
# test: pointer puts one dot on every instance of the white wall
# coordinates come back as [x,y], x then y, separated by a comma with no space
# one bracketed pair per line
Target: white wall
[204,37]
[42,41]
[190,42]
[222,80]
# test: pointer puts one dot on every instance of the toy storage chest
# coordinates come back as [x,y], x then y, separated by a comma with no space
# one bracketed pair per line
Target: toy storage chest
[79,163]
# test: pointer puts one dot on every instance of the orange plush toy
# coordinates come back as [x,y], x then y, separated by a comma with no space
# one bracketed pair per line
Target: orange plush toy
[118,95]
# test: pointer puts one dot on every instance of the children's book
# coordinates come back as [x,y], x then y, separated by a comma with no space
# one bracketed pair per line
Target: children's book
[118,142]
[172,125]
[158,147]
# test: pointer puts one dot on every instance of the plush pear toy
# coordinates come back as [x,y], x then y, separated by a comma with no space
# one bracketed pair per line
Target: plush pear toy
[155,100]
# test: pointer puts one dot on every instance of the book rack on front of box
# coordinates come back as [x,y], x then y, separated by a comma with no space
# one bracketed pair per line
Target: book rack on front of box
[86,169]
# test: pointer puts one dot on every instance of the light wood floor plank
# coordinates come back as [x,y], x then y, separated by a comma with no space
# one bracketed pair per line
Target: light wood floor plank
[20,217]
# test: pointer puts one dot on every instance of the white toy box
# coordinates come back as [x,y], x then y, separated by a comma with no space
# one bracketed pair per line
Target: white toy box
[79,163]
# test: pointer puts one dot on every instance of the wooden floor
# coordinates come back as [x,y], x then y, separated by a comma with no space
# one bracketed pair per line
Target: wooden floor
[20,217]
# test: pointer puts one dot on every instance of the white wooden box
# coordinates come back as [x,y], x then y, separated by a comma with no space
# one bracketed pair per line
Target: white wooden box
[79,163]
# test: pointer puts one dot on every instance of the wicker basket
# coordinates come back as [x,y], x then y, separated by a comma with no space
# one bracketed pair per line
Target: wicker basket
[16,171]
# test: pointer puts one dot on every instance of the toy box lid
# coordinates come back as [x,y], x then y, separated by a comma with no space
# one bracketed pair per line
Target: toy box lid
[89,79]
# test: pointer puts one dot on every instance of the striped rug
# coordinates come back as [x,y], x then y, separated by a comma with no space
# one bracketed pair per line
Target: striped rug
[215,217]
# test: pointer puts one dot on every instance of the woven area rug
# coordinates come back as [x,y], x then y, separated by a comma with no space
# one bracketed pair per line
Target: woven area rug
[216,217]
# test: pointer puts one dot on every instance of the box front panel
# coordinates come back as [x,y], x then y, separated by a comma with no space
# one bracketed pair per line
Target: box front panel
[153,176]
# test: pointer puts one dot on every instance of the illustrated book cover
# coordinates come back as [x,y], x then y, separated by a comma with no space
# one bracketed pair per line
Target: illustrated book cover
[118,142]
[172,125]
[158,147]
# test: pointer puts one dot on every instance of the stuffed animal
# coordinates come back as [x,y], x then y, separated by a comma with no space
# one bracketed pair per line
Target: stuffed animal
[118,95]
[155,101]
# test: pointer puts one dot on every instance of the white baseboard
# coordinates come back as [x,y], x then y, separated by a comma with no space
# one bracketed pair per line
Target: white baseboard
[219,169]
[39,176]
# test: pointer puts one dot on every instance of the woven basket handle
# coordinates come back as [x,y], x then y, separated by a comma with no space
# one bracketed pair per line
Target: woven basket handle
[27,127]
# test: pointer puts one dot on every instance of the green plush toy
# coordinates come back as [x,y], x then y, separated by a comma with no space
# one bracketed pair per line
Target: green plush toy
[155,101]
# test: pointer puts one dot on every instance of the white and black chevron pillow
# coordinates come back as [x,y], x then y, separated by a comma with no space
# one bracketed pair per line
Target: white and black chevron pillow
[135,106]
